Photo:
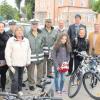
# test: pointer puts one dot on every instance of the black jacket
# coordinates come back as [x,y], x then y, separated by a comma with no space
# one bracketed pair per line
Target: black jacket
[80,45]
[72,31]
[3,40]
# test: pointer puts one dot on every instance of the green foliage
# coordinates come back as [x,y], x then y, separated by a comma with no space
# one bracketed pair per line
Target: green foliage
[30,7]
[96,6]
[7,12]
[18,3]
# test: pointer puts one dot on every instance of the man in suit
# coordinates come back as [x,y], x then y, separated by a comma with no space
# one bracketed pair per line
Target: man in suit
[74,28]
[73,31]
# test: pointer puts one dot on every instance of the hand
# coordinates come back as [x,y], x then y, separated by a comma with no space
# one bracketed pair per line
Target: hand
[12,69]
[27,65]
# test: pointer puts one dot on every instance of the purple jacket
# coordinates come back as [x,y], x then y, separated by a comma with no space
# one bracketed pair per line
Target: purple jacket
[59,56]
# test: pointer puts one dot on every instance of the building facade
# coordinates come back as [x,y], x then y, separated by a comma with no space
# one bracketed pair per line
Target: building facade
[64,9]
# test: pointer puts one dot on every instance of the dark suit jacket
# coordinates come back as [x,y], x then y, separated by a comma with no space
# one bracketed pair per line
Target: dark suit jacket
[72,31]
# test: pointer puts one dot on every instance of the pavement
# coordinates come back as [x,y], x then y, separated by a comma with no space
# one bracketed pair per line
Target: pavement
[82,95]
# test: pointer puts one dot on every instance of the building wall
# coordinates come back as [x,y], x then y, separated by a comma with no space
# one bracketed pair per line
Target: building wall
[64,9]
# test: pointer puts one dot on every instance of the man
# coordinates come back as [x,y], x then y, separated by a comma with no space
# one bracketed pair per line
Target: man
[61,28]
[94,40]
[50,37]
[73,34]
[37,41]
[12,25]
[74,28]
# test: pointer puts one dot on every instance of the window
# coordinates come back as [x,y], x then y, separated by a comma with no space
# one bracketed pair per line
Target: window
[72,2]
[61,2]
[82,3]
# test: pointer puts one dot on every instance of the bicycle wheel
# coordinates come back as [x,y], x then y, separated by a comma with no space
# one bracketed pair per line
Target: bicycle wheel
[92,85]
[74,83]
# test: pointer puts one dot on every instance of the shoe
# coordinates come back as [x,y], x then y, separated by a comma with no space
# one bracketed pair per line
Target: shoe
[3,90]
[31,88]
[40,86]
[23,85]
[59,92]
[50,76]
[20,93]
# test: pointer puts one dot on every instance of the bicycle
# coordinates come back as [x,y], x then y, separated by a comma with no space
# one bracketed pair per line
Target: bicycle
[76,77]
[91,80]
[10,96]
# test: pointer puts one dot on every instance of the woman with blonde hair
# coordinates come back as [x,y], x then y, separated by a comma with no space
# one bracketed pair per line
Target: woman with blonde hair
[17,54]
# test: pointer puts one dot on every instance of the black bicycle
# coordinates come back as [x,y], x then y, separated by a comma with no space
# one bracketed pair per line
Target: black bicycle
[91,79]
[76,77]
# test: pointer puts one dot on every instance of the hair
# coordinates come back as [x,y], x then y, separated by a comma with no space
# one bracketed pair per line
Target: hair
[19,27]
[78,16]
[2,23]
[83,28]
[67,44]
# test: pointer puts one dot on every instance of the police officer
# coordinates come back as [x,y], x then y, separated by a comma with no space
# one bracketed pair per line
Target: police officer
[37,42]
[50,37]
[12,25]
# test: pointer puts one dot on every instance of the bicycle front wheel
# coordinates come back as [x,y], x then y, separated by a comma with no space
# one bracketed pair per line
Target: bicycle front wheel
[92,85]
[74,83]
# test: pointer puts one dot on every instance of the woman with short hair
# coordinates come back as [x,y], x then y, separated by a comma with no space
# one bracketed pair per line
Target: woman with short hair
[17,54]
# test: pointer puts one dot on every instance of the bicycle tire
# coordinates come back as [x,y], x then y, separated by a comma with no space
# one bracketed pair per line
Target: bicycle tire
[86,76]
[79,82]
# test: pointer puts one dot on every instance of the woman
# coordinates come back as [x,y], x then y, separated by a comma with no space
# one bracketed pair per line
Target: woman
[80,44]
[3,67]
[61,54]
[17,54]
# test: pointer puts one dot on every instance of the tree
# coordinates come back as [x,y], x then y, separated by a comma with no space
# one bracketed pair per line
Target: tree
[95,5]
[18,2]
[7,12]
[30,7]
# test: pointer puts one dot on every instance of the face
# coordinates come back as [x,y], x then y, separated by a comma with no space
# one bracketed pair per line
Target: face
[34,27]
[19,32]
[97,28]
[61,24]
[63,39]
[82,33]
[48,24]
[13,27]
[77,20]
[1,27]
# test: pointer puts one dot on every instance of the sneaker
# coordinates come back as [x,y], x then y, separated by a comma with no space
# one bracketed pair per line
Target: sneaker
[31,88]
[23,85]
[59,92]
[20,93]
[50,76]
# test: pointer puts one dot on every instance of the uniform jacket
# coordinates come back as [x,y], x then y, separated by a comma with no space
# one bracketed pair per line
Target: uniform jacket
[50,38]
[36,44]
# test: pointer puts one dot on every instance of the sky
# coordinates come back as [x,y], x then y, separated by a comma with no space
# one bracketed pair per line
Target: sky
[12,3]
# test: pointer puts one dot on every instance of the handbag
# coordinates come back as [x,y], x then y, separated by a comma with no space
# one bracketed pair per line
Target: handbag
[64,67]
[2,63]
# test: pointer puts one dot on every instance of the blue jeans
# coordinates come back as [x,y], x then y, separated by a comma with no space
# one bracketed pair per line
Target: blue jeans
[59,80]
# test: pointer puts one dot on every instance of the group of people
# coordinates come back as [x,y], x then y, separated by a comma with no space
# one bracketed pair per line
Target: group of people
[43,48]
